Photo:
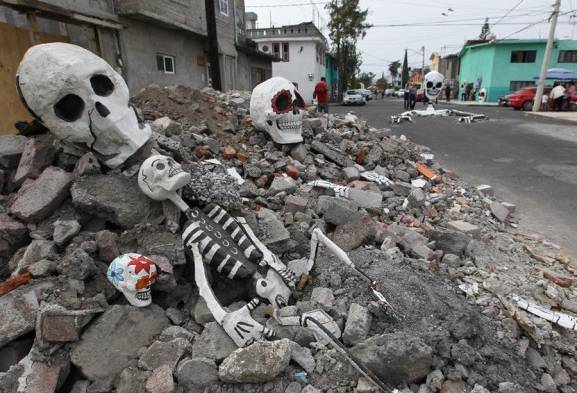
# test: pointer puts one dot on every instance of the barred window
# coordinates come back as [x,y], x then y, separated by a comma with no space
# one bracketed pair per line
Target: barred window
[567,56]
[523,56]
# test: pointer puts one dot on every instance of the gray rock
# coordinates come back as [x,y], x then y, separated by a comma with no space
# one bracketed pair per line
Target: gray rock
[480,389]
[452,242]
[260,362]
[293,387]
[213,343]
[435,380]
[499,211]
[160,381]
[295,203]
[196,372]
[175,315]
[172,332]
[106,242]
[19,309]
[42,197]
[366,199]
[110,343]
[299,152]
[164,243]
[354,234]
[38,154]
[282,184]
[65,230]
[465,227]
[201,313]
[332,154]
[486,190]
[164,353]
[310,389]
[358,324]
[395,358]
[36,251]
[42,268]
[87,165]
[78,265]
[337,211]
[323,296]
[12,231]
[303,357]
[313,122]
[452,260]
[510,387]
[548,383]
[562,378]
[272,228]
[112,197]
[132,380]
[11,148]
[416,198]
[351,173]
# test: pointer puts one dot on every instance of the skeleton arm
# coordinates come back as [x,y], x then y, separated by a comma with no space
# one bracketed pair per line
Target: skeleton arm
[561,319]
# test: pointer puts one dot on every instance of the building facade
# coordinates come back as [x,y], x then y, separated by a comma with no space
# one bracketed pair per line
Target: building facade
[449,67]
[505,66]
[302,52]
[332,75]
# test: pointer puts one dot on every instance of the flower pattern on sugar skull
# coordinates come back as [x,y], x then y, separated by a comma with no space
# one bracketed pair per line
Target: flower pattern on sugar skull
[275,107]
[82,100]
[133,274]
[434,82]
[160,177]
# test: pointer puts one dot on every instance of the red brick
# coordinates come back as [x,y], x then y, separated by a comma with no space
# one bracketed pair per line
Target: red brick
[229,152]
[292,171]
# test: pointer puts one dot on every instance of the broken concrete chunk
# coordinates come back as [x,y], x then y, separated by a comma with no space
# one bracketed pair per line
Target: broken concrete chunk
[110,343]
[87,165]
[65,230]
[465,227]
[164,353]
[106,242]
[332,154]
[197,372]
[366,199]
[272,228]
[323,296]
[337,211]
[78,265]
[41,198]
[354,234]
[282,184]
[295,203]
[351,173]
[161,381]
[38,154]
[112,197]
[358,324]
[486,190]
[499,211]
[11,148]
[213,343]
[260,362]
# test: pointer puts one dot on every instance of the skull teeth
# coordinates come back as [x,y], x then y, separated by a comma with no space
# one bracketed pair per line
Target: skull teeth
[286,125]
[174,171]
[144,295]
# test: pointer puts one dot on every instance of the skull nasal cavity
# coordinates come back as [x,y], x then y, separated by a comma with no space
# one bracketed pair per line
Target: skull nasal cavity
[101,109]
[282,102]
[69,108]
[102,85]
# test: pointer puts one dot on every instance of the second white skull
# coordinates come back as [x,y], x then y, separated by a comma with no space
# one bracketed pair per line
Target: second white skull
[433,84]
[160,177]
[275,108]
[82,100]
[133,274]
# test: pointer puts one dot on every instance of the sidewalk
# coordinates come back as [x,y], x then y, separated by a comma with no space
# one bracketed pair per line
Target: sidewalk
[470,103]
[569,117]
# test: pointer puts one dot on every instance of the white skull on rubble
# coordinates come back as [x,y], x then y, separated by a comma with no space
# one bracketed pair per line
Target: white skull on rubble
[433,84]
[133,274]
[275,108]
[82,100]
[160,177]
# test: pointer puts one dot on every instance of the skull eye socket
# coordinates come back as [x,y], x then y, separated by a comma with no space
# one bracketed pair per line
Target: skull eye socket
[282,102]
[439,85]
[299,100]
[429,85]
[102,85]
[160,166]
[69,108]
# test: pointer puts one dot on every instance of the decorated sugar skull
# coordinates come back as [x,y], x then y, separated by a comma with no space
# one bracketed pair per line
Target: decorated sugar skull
[160,177]
[433,84]
[82,100]
[275,108]
[133,274]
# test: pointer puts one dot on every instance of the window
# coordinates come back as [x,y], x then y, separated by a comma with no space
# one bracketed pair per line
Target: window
[223,7]
[518,85]
[165,63]
[523,56]
[285,51]
[276,49]
[567,56]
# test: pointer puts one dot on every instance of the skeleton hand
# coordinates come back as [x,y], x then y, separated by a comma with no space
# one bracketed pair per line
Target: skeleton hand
[375,177]
[242,328]
[340,191]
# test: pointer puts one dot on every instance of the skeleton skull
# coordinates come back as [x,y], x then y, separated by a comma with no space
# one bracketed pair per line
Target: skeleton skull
[274,108]
[160,177]
[133,274]
[82,100]
[433,84]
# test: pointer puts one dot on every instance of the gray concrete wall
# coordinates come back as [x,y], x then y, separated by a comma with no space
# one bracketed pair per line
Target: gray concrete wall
[247,65]
[142,41]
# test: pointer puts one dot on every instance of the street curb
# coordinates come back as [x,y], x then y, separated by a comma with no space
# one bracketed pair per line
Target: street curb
[556,119]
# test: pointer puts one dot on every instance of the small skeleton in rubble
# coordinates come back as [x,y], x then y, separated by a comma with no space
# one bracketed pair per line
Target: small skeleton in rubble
[213,237]
[434,82]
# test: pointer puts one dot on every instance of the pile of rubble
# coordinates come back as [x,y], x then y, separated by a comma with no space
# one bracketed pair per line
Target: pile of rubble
[446,255]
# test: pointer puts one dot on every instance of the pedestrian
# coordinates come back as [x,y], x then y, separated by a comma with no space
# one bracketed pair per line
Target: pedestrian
[571,94]
[321,94]
[463,92]
[412,96]
[558,95]
[448,92]
[407,96]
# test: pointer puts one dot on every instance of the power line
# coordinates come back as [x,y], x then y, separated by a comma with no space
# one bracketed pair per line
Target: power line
[508,12]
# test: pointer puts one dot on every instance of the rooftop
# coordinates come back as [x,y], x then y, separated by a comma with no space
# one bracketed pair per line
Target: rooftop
[305,29]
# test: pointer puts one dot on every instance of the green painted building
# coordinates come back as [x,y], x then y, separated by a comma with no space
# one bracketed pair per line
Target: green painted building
[505,66]
[332,75]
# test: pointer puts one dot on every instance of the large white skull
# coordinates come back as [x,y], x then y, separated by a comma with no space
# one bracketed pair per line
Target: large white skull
[133,274]
[160,177]
[275,108]
[81,99]
[433,84]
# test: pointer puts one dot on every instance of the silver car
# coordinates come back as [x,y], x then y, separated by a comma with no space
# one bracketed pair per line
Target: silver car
[353,97]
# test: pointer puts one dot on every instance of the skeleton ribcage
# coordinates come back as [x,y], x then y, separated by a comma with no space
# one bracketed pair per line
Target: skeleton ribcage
[227,249]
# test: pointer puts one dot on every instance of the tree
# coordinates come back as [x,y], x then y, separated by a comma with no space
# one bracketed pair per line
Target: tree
[485,30]
[366,78]
[405,71]
[382,83]
[394,69]
[346,26]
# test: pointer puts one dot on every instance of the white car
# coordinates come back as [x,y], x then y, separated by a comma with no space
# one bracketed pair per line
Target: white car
[401,93]
[353,97]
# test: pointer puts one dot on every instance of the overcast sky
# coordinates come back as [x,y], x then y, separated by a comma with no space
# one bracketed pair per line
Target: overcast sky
[441,26]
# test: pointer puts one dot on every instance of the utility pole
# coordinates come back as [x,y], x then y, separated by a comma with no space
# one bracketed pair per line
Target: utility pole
[423,68]
[213,57]
[547,56]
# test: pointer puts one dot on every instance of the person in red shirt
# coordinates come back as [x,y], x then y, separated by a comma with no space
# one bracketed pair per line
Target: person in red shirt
[321,93]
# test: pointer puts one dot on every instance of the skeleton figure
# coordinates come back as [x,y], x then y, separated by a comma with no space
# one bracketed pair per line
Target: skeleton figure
[133,274]
[82,100]
[433,84]
[274,108]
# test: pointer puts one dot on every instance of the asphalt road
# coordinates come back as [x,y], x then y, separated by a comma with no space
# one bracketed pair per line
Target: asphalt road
[529,162]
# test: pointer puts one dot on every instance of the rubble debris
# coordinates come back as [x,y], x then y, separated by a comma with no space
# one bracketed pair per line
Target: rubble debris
[499,211]
[38,154]
[332,154]
[486,190]
[358,325]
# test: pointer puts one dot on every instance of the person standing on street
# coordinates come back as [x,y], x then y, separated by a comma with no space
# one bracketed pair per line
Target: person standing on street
[407,96]
[558,95]
[571,92]
[448,92]
[412,96]
[322,96]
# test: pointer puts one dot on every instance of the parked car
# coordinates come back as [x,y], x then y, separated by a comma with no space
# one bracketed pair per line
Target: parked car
[400,93]
[504,100]
[389,92]
[420,97]
[367,94]
[353,97]
[523,99]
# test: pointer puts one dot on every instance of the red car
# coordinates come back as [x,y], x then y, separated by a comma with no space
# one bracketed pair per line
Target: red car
[523,99]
